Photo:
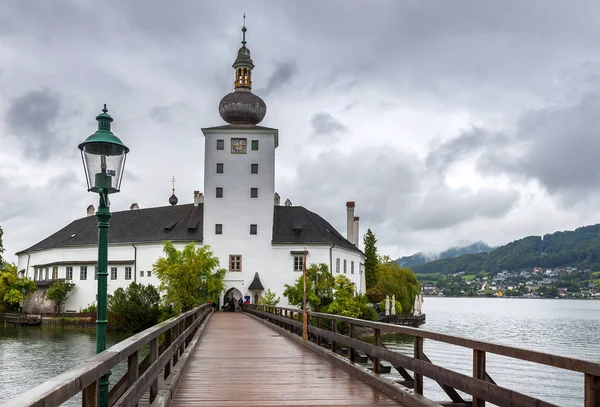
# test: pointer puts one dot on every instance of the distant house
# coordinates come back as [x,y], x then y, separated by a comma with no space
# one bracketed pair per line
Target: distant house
[562,292]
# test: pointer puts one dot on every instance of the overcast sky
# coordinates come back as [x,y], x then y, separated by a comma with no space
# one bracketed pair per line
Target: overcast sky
[446,122]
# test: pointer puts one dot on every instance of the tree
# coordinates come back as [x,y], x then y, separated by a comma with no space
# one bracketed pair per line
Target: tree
[59,292]
[371,259]
[13,289]
[135,308]
[396,280]
[348,304]
[319,288]
[1,248]
[268,298]
[180,273]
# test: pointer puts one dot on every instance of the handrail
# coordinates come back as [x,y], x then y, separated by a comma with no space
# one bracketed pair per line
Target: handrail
[139,378]
[480,385]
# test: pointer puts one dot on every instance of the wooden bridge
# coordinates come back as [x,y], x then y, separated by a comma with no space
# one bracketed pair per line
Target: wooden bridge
[258,358]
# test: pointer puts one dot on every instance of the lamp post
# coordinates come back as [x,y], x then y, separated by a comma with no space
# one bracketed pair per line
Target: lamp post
[203,287]
[103,156]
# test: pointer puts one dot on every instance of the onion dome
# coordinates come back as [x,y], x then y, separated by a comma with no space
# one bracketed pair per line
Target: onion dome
[173,199]
[242,106]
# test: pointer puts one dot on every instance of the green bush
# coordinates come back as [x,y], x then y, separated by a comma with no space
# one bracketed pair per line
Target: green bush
[134,309]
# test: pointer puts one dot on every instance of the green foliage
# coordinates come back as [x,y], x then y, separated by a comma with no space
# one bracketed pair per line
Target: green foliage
[90,308]
[134,309]
[399,281]
[398,307]
[13,289]
[1,247]
[375,295]
[180,274]
[319,288]
[268,298]
[346,303]
[371,259]
[59,292]
[579,248]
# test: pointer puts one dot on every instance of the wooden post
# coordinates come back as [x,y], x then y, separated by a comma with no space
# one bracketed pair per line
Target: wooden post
[352,351]
[180,329]
[153,356]
[286,316]
[333,329]
[592,390]
[304,310]
[377,340]
[90,395]
[168,341]
[418,351]
[478,373]
[319,326]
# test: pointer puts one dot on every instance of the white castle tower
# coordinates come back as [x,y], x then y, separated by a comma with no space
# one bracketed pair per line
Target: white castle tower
[239,179]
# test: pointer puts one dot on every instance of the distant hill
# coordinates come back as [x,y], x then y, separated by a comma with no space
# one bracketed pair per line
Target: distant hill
[579,248]
[421,258]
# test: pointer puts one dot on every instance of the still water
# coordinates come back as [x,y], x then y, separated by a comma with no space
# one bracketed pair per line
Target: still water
[29,356]
[563,327]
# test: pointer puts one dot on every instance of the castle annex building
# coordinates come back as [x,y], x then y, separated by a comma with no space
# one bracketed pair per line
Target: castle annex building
[259,241]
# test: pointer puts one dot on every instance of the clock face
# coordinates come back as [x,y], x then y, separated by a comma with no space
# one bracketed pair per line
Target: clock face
[238,145]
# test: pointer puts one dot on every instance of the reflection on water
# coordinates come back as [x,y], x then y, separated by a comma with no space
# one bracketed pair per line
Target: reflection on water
[31,355]
[564,327]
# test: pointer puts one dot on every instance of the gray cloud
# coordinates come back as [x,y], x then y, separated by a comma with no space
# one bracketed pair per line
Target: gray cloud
[32,118]
[282,75]
[164,114]
[325,124]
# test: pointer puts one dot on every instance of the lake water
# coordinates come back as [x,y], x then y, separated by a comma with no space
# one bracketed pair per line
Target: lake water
[563,327]
[29,356]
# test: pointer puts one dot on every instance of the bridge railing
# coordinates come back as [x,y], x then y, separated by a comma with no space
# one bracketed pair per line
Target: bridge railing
[335,331]
[167,342]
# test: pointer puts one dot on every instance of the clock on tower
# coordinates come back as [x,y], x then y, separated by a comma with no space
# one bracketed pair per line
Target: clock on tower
[238,146]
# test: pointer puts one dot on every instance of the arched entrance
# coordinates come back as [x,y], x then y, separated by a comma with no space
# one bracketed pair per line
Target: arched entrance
[232,293]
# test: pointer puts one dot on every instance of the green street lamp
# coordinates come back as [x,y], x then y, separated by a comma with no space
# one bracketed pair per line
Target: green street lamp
[203,287]
[103,156]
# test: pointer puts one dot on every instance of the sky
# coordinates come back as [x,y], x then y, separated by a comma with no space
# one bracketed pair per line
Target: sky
[446,122]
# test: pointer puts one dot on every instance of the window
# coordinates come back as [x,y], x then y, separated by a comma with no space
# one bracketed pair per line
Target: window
[235,262]
[253,229]
[219,168]
[337,265]
[255,145]
[127,273]
[220,144]
[69,273]
[46,277]
[54,273]
[83,273]
[345,264]
[253,168]
[253,192]
[219,192]
[35,274]
[95,272]
[149,273]
[298,263]
[113,273]
[141,273]
[218,229]
[351,267]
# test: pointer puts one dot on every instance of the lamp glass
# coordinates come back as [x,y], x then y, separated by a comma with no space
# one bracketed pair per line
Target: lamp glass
[103,163]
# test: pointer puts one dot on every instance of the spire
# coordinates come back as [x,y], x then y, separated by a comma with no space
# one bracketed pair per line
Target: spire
[244,31]
[173,199]
[104,119]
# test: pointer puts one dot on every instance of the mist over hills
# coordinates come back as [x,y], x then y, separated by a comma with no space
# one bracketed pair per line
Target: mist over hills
[422,258]
[578,248]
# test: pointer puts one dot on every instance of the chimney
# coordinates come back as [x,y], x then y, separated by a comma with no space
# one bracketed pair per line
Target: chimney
[91,210]
[134,206]
[277,199]
[355,231]
[350,221]
[198,198]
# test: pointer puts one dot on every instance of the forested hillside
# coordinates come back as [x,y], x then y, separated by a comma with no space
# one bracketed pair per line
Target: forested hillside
[421,258]
[579,248]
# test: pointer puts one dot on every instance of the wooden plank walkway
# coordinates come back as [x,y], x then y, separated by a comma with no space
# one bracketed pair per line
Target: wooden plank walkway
[241,362]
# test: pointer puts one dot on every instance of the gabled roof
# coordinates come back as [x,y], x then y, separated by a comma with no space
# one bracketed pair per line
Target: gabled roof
[256,284]
[180,223]
[298,225]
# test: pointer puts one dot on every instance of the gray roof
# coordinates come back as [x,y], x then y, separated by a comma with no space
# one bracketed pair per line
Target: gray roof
[256,285]
[184,223]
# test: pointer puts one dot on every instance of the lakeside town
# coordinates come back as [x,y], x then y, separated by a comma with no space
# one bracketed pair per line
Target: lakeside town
[559,282]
